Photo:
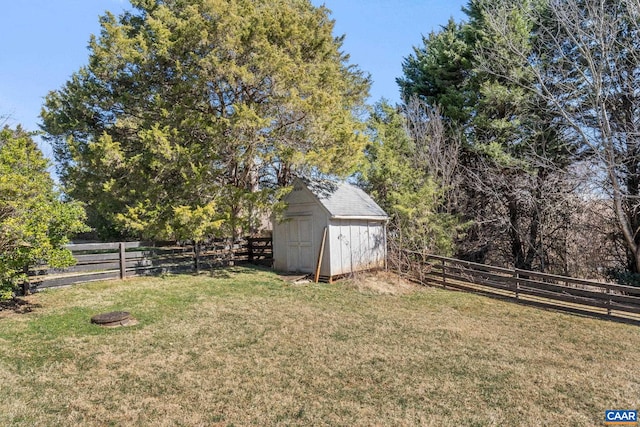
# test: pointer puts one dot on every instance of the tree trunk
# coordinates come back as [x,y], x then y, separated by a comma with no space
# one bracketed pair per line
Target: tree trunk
[514,234]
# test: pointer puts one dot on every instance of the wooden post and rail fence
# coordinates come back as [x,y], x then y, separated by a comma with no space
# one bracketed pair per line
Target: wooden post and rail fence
[541,289]
[119,260]
[103,261]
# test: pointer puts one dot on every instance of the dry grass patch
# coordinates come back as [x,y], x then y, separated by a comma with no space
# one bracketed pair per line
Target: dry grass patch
[245,348]
[381,283]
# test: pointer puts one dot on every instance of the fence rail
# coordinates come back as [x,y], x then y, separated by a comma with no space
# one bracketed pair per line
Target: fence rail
[104,261]
[578,295]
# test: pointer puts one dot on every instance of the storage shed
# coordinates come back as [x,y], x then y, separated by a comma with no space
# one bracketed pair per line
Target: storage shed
[355,236]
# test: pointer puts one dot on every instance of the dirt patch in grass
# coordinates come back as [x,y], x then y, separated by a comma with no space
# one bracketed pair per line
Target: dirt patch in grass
[16,306]
[381,283]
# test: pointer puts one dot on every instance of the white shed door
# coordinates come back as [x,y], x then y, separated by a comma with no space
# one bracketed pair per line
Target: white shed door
[300,244]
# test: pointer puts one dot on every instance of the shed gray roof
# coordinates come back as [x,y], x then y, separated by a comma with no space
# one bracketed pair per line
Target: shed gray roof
[342,199]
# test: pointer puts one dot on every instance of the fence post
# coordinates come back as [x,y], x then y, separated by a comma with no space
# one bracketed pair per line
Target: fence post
[196,258]
[232,252]
[609,301]
[250,249]
[123,261]
[26,284]
[517,276]
[444,276]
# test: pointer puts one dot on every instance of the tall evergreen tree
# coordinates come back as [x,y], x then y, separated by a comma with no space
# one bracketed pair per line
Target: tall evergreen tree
[196,111]
[438,73]
[520,145]
[514,156]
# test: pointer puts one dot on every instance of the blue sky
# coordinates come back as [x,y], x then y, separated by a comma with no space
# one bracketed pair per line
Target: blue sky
[43,42]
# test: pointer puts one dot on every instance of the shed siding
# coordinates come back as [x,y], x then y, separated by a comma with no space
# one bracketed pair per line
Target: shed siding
[302,209]
[340,256]
[355,245]
[352,244]
[377,244]
[300,244]
[299,216]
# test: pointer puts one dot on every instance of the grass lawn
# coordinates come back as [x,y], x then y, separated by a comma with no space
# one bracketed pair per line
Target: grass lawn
[242,347]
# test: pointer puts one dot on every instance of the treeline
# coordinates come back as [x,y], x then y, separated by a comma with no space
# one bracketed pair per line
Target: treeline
[515,142]
[525,116]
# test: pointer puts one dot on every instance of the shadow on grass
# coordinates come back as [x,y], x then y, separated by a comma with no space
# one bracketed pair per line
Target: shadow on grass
[550,306]
[228,272]
[18,305]
[577,311]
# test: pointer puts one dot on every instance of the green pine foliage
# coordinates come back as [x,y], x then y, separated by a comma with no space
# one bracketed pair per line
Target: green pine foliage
[514,151]
[196,112]
[438,70]
[404,188]
[34,222]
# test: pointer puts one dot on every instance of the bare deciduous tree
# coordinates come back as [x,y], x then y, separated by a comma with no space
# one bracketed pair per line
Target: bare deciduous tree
[587,71]
[437,148]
